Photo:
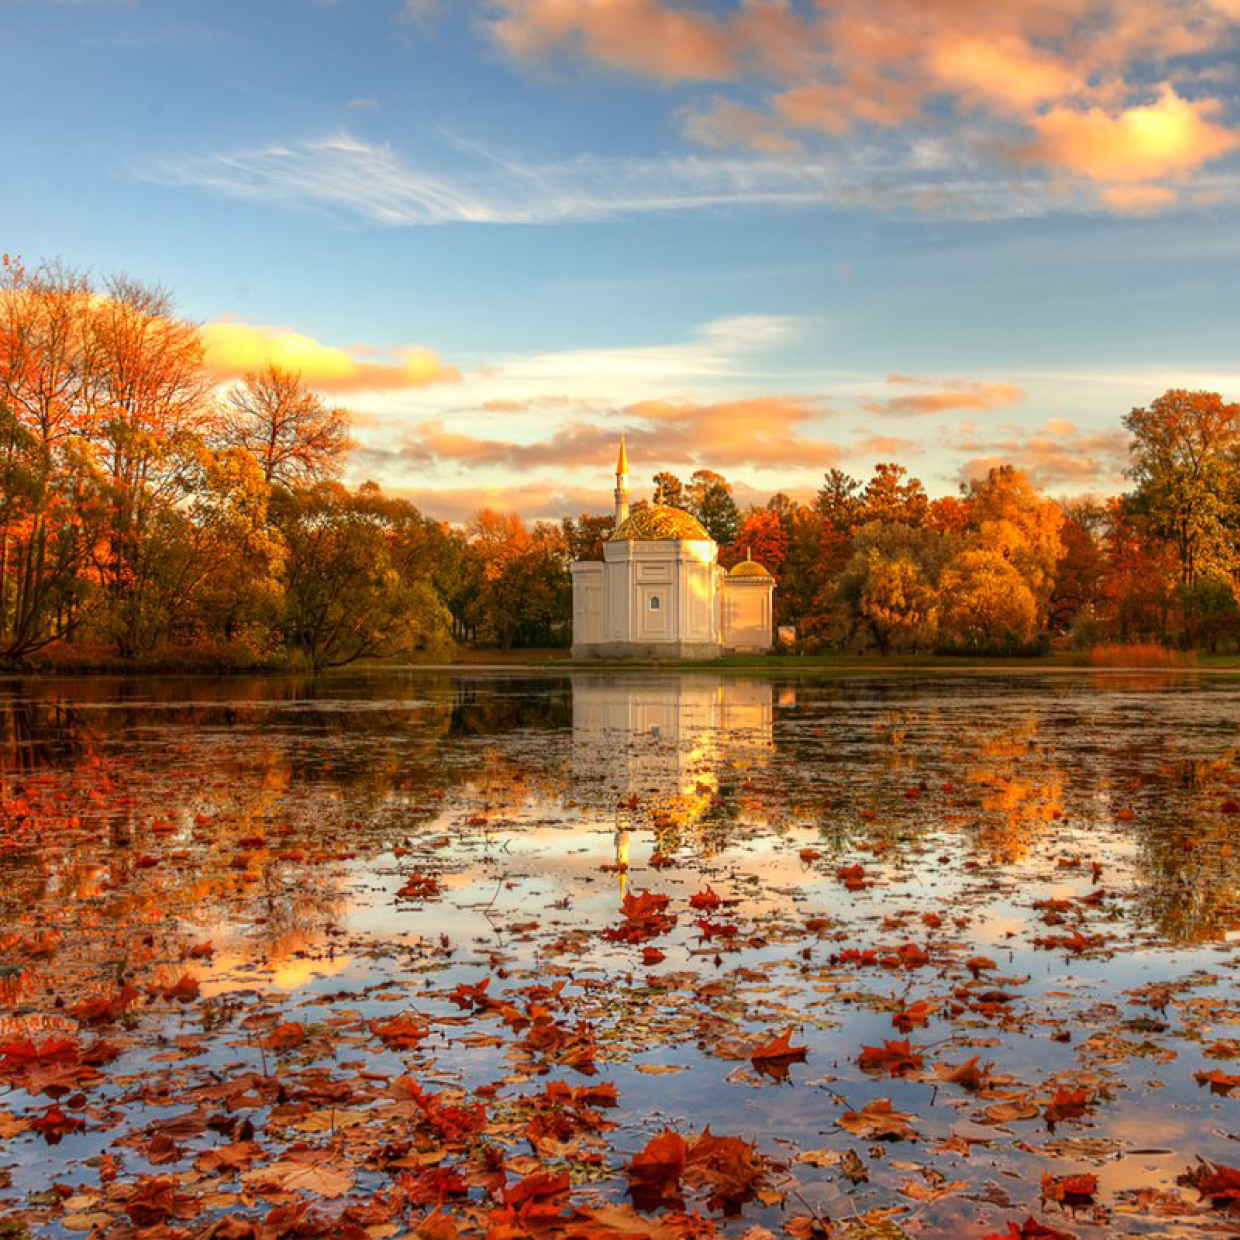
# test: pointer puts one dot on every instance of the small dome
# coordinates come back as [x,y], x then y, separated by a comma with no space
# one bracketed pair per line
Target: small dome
[748,568]
[659,523]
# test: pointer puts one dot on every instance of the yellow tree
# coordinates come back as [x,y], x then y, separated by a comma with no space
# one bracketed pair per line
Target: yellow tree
[985,604]
[1021,525]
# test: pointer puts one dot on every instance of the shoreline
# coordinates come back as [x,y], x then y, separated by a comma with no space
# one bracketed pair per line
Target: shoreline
[557,661]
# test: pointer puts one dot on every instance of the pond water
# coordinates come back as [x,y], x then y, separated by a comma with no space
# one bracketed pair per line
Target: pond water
[244,926]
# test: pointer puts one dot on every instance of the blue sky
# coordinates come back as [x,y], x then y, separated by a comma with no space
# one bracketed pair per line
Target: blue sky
[759,236]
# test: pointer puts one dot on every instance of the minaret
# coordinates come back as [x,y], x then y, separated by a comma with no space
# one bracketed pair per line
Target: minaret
[622,485]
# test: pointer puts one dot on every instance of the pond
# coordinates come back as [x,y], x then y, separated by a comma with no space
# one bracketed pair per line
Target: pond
[486,953]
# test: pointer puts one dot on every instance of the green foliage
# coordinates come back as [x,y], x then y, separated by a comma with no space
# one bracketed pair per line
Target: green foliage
[346,597]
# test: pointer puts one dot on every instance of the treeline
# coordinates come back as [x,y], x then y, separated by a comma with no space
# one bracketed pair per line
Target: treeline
[1000,568]
[148,515]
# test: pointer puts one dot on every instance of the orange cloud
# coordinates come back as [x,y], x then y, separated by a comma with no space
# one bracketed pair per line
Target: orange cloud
[232,349]
[758,432]
[1057,454]
[884,447]
[639,36]
[1145,143]
[1063,86]
[1006,72]
[946,394]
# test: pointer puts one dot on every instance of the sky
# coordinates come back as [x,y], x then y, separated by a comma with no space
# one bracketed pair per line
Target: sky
[763,237]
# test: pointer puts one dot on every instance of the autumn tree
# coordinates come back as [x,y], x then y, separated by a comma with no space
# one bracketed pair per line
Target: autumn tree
[1185,454]
[1013,519]
[709,497]
[839,501]
[891,495]
[293,435]
[50,489]
[1081,567]
[669,490]
[985,604]
[888,588]
[1210,612]
[150,405]
[762,537]
[586,534]
[1141,576]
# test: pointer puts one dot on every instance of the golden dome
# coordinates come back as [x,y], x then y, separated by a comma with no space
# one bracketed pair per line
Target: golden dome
[659,523]
[748,568]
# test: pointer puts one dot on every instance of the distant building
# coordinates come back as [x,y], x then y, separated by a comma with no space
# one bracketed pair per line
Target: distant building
[659,591]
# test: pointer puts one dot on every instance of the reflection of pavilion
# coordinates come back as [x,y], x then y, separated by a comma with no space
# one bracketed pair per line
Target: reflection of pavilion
[653,746]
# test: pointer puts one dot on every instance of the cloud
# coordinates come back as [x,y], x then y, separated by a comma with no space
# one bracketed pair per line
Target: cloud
[884,448]
[535,501]
[1062,87]
[755,433]
[945,394]
[1149,142]
[232,349]
[639,36]
[347,177]
[550,501]
[1056,455]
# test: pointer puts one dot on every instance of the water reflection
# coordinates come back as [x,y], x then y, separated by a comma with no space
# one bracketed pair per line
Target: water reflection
[376,838]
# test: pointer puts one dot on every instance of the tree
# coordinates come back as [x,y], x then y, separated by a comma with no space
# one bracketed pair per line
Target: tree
[669,490]
[292,434]
[345,598]
[1211,614]
[985,604]
[1184,458]
[709,498]
[50,490]
[888,586]
[1023,526]
[839,501]
[1140,577]
[890,495]
[1079,573]
[896,602]
[763,538]
[150,406]
[586,535]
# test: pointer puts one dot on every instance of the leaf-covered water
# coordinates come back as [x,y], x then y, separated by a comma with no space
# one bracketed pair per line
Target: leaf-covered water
[619,955]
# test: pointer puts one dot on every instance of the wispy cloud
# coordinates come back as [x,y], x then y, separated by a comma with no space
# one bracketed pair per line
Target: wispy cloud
[354,179]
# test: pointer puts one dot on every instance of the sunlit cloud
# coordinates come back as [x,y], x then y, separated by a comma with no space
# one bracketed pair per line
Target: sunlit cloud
[757,433]
[943,395]
[233,349]
[1057,454]
[1169,138]
[1064,87]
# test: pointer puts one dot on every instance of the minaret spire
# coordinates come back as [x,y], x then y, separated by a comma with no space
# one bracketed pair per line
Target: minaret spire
[622,485]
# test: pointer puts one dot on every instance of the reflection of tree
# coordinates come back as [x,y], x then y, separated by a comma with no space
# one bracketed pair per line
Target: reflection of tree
[1188,861]
[1019,785]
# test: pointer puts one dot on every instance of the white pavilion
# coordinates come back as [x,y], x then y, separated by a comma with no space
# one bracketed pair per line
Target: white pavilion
[659,591]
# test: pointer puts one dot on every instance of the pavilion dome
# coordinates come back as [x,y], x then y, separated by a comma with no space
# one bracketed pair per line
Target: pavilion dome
[748,568]
[660,523]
